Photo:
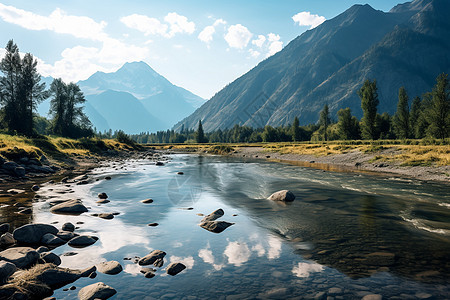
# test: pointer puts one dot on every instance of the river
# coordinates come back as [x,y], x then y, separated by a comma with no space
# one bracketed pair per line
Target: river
[346,235]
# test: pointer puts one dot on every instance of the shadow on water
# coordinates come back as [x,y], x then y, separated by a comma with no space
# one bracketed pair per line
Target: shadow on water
[359,233]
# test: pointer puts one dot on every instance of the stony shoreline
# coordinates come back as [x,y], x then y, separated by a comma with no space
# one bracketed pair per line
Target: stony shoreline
[354,161]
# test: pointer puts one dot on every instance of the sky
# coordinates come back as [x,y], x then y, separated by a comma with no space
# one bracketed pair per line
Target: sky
[199,45]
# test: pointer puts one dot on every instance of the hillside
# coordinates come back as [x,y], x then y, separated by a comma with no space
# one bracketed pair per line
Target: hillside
[328,64]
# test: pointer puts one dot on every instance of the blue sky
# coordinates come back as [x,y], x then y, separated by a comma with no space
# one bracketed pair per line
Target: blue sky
[199,45]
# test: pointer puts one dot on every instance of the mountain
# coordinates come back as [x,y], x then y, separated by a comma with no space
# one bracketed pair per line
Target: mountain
[408,46]
[158,97]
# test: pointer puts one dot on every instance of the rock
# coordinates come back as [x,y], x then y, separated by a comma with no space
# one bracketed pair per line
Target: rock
[52,240]
[4,228]
[68,227]
[155,257]
[372,297]
[19,172]
[102,196]
[69,207]
[421,295]
[103,201]
[284,195]
[33,233]
[149,274]
[66,235]
[15,191]
[6,270]
[153,224]
[88,271]
[214,215]
[93,275]
[56,277]
[42,249]
[147,201]
[175,268]
[22,257]
[180,173]
[334,291]
[35,188]
[108,178]
[25,211]
[106,216]
[51,258]
[159,163]
[7,239]
[215,226]
[110,267]
[82,241]
[380,259]
[97,290]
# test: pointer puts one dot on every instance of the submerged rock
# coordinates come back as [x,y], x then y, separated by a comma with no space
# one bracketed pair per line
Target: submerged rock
[33,233]
[215,226]
[75,207]
[175,268]
[380,259]
[155,257]
[82,241]
[110,267]
[66,235]
[97,290]
[284,196]
[106,216]
[102,196]
[147,201]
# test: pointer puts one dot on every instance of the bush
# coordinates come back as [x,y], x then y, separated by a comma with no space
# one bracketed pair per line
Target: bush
[122,137]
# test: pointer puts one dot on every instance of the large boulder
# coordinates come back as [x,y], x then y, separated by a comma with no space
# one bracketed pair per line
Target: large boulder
[4,228]
[109,267]
[33,233]
[97,290]
[56,277]
[214,215]
[284,196]
[74,207]
[51,258]
[68,227]
[82,241]
[215,226]
[22,257]
[66,235]
[7,239]
[175,268]
[156,257]
[6,270]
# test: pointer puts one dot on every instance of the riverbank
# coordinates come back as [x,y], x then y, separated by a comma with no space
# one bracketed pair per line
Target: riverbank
[423,162]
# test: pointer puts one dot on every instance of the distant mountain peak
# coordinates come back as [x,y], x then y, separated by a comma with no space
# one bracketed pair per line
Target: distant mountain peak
[415,5]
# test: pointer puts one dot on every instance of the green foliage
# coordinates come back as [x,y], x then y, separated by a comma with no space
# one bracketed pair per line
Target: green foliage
[401,117]
[296,131]
[324,122]
[220,149]
[270,134]
[347,126]
[122,137]
[369,102]
[200,134]
[438,112]
[416,119]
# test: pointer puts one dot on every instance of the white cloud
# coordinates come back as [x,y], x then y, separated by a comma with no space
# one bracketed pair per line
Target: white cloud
[187,261]
[254,53]
[305,18]
[275,45]
[238,36]
[146,25]
[259,249]
[207,256]
[304,269]
[237,253]
[259,41]
[206,35]
[173,24]
[274,248]
[179,24]
[58,21]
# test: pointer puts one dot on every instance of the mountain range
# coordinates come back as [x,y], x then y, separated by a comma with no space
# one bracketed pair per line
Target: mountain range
[134,99]
[408,46]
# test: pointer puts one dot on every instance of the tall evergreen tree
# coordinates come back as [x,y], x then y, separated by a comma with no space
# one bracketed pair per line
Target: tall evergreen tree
[200,135]
[324,121]
[58,104]
[369,102]
[401,117]
[296,131]
[414,118]
[10,66]
[347,126]
[439,108]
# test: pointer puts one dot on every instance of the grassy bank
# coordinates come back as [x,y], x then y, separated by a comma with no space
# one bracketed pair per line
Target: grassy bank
[406,153]
[56,148]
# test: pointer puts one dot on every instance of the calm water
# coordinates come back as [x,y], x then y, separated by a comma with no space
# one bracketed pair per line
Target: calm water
[326,239]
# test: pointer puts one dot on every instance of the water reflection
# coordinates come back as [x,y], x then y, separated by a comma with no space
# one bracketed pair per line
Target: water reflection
[303,270]
[237,253]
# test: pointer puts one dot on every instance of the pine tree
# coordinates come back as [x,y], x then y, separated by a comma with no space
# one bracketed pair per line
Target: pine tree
[58,105]
[347,126]
[439,110]
[200,135]
[324,121]
[369,102]
[414,118]
[296,131]
[401,117]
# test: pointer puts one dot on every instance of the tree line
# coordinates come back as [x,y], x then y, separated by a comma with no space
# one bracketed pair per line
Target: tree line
[21,90]
[428,116]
